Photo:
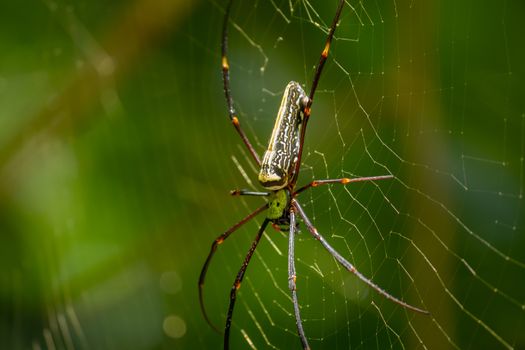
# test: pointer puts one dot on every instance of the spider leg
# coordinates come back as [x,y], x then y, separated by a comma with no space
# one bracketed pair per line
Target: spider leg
[347,265]
[317,76]
[292,279]
[324,53]
[227,89]
[237,283]
[343,181]
[248,193]
[214,246]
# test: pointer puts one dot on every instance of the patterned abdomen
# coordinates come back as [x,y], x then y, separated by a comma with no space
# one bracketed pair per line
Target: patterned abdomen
[280,158]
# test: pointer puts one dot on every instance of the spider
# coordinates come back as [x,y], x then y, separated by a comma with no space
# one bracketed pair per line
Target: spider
[279,171]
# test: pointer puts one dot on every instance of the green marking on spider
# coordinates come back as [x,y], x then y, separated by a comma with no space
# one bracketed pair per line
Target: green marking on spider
[277,204]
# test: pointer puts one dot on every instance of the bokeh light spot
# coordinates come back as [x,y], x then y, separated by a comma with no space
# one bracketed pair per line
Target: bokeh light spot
[174,326]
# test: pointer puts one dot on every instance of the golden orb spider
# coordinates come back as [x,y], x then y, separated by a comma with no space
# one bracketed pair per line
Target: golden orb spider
[279,171]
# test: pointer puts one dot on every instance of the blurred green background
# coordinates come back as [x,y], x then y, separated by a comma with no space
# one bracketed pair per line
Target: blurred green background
[117,158]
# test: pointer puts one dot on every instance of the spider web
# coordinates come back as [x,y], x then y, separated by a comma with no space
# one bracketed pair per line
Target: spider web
[117,168]
[407,91]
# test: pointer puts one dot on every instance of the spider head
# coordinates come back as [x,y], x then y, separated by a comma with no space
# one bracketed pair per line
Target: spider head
[278,202]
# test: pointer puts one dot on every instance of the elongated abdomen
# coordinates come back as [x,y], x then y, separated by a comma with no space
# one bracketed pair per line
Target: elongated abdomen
[280,158]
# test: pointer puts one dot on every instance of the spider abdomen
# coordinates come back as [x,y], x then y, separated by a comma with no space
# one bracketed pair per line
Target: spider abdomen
[281,156]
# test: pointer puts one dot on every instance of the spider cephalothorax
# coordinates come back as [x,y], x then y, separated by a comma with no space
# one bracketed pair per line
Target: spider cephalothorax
[278,203]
